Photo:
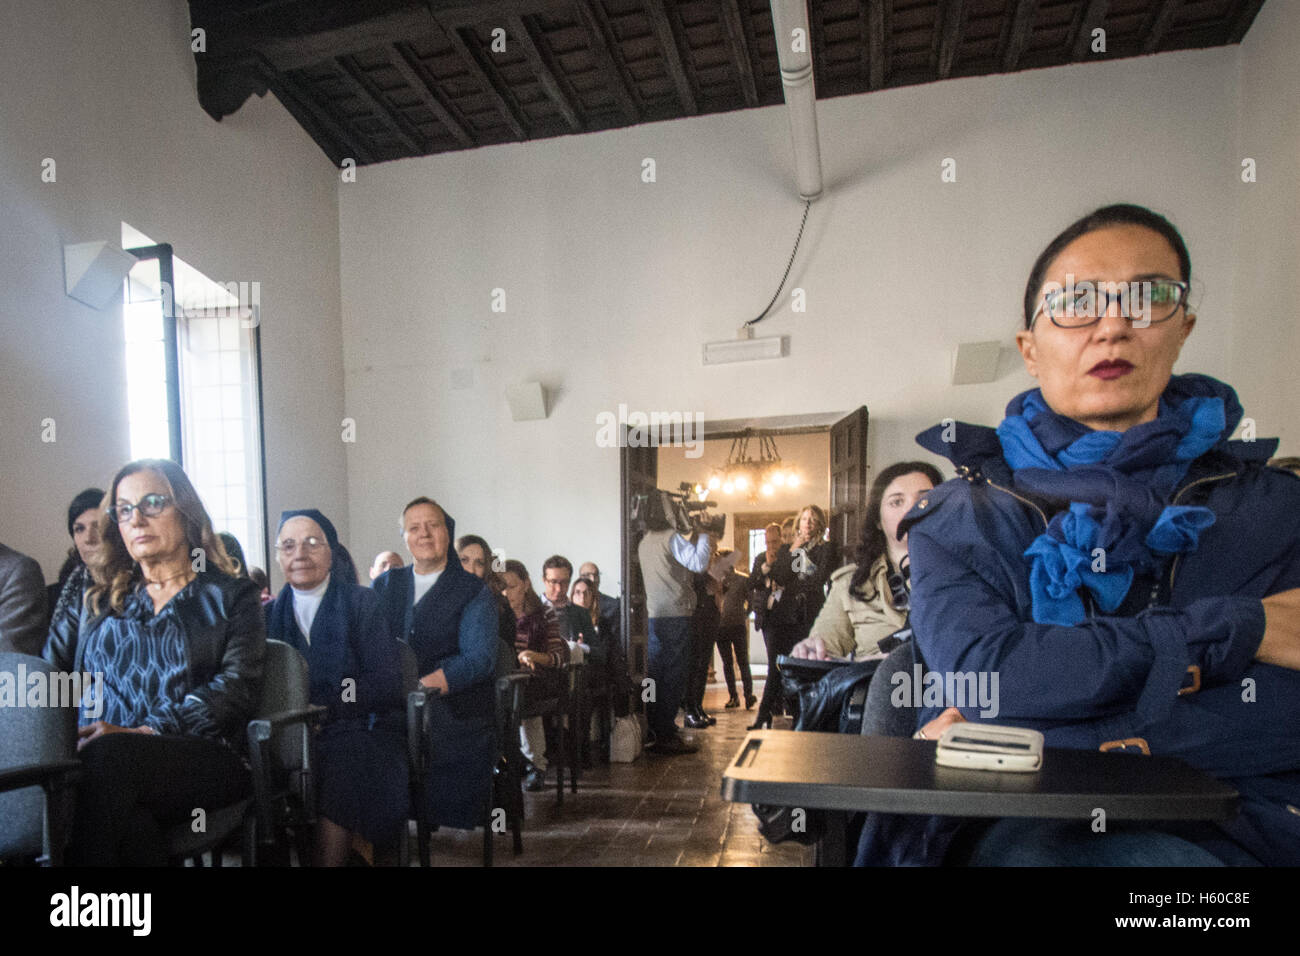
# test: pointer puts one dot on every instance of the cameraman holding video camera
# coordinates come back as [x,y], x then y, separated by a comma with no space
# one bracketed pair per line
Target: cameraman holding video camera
[675,548]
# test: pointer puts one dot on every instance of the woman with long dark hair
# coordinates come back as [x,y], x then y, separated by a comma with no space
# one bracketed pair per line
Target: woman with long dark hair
[476,557]
[543,652]
[84,516]
[868,599]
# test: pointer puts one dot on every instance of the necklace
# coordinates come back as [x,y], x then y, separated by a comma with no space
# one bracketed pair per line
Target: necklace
[159,583]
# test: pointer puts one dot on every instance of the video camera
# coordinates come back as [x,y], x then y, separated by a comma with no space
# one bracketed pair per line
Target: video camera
[678,510]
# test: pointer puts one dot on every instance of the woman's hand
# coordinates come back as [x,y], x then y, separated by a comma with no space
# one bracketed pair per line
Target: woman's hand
[812,649]
[101,727]
[435,681]
[1281,643]
[934,728]
[532,659]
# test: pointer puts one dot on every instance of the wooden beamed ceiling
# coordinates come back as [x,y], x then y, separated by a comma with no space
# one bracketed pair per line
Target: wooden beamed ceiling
[376,80]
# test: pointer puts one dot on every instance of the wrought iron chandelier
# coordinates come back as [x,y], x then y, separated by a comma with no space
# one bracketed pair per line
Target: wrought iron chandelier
[753,477]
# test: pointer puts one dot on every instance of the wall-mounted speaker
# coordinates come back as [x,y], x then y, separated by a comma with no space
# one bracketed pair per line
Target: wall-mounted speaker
[976,363]
[527,401]
[93,272]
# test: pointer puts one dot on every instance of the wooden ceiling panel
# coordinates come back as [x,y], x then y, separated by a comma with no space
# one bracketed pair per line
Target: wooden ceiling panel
[375,80]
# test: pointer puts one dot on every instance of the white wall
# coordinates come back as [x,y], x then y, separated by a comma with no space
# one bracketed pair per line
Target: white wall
[613,284]
[1266,250]
[107,91]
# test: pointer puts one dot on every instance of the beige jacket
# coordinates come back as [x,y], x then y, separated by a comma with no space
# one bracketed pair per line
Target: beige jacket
[847,623]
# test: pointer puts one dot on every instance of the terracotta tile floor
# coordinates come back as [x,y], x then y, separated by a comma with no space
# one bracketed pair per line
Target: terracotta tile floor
[657,811]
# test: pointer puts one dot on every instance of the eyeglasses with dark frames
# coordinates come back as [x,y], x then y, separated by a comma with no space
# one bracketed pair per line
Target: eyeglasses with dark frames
[1144,302]
[151,506]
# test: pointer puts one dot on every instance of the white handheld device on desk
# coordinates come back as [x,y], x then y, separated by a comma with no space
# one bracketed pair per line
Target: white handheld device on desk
[977,746]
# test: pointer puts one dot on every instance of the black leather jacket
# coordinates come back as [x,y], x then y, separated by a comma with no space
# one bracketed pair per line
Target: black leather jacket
[225,637]
[805,588]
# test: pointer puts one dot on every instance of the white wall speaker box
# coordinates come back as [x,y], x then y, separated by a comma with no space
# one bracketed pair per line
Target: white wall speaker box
[976,363]
[527,401]
[93,272]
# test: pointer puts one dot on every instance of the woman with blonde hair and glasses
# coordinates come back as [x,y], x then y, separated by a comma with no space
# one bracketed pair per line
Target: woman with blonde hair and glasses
[800,572]
[179,640]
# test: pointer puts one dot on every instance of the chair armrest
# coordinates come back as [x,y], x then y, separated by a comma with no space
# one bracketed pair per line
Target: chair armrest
[38,774]
[262,728]
[53,777]
[415,711]
[260,732]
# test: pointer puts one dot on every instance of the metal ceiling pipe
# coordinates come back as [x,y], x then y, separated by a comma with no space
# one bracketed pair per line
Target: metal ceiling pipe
[794,51]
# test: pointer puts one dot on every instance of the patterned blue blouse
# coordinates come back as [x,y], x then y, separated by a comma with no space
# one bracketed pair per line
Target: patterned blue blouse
[144,659]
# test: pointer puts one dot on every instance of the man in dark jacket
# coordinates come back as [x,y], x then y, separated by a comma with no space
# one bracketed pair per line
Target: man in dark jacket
[449,617]
[22,603]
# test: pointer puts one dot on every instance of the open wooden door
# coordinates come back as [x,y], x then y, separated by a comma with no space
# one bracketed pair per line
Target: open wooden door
[638,470]
[848,481]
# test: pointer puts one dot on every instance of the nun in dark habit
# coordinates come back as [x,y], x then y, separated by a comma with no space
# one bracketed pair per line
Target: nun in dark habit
[355,672]
[449,617]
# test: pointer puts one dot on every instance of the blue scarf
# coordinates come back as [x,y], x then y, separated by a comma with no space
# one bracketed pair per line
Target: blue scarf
[1116,486]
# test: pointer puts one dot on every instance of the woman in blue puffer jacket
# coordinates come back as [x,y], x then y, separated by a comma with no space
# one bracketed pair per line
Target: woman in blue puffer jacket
[1130,573]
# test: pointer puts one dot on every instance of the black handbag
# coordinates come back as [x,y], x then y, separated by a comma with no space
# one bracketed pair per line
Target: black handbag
[826,692]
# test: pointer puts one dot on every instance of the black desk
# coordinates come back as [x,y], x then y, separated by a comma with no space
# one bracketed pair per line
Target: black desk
[899,775]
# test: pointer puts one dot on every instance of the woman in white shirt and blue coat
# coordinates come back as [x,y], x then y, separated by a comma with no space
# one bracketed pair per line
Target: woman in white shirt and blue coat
[355,672]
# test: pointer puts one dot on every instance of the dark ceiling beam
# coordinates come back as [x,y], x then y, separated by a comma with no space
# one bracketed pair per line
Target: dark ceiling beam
[874,16]
[667,37]
[545,75]
[489,13]
[600,42]
[299,51]
[224,83]
[370,94]
[1245,17]
[412,70]
[300,18]
[1022,27]
[476,65]
[731,19]
[1154,33]
[316,120]
[1090,17]
[817,41]
[948,33]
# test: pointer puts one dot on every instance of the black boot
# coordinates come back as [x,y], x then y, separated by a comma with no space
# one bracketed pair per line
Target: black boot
[695,718]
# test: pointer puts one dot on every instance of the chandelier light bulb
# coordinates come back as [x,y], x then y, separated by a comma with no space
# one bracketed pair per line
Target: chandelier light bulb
[714,482]
[742,482]
[793,480]
[778,478]
[728,487]
[767,489]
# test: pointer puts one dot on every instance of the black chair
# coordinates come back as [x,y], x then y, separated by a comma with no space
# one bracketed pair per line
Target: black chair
[507,777]
[38,767]
[505,789]
[572,725]
[597,702]
[280,755]
[881,718]
[555,707]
